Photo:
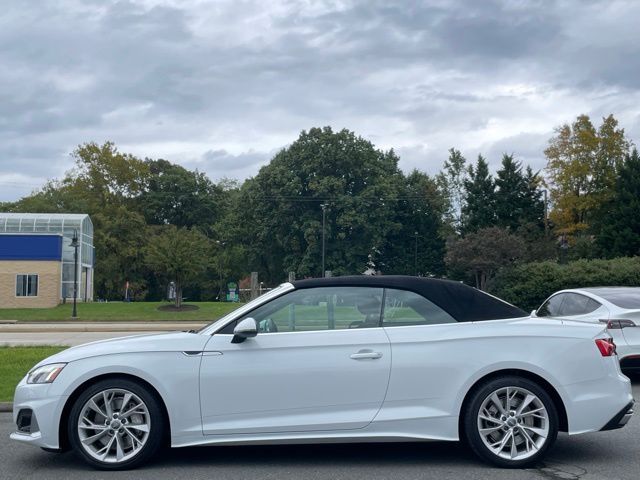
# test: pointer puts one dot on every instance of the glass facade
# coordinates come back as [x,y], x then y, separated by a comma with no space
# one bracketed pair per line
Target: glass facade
[66,225]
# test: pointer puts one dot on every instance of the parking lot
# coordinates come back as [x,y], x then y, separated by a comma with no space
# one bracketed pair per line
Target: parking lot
[606,455]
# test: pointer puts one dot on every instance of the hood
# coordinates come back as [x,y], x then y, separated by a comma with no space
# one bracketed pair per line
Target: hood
[159,342]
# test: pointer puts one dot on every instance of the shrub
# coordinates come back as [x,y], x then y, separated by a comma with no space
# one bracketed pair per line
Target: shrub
[528,285]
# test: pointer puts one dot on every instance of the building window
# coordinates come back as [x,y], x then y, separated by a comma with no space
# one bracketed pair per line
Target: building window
[27,286]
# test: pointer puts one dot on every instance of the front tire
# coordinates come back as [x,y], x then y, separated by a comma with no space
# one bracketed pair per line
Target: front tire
[116,424]
[510,422]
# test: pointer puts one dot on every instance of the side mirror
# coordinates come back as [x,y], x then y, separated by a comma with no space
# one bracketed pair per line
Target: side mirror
[534,313]
[247,328]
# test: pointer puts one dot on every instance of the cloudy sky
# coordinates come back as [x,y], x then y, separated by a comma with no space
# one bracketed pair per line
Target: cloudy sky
[222,85]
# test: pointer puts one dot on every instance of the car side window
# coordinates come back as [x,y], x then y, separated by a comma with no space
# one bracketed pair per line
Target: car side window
[402,308]
[551,308]
[576,304]
[322,308]
[592,305]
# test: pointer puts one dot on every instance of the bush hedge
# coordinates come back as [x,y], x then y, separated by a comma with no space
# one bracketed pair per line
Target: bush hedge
[528,285]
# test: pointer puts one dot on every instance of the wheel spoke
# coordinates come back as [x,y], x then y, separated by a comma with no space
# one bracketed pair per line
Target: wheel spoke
[488,430]
[490,419]
[525,403]
[93,438]
[134,440]
[531,412]
[514,448]
[131,411]
[94,406]
[105,450]
[504,441]
[119,451]
[538,431]
[107,404]
[498,403]
[528,439]
[143,427]
[125,401]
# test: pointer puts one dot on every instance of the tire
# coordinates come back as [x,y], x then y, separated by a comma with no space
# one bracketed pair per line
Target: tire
[116,424]
[504,437]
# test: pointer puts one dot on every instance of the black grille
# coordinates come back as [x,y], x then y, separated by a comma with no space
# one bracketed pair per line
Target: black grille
[24,419]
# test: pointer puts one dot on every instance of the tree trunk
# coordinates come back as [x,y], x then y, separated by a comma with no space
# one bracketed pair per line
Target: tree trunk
[178,295]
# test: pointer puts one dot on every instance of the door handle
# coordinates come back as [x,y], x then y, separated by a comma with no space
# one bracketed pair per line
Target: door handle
[366,355]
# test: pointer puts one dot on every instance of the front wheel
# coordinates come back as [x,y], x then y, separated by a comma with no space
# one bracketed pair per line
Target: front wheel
[116,424]
[510,422]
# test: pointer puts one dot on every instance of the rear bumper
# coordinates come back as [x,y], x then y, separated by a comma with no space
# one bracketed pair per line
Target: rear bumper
[620,419]
[630,363]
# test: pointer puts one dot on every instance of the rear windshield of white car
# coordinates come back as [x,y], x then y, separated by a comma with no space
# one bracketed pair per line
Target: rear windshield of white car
[623,299]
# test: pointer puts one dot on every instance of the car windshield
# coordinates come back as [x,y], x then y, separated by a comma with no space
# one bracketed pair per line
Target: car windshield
[623,298]
[248,306]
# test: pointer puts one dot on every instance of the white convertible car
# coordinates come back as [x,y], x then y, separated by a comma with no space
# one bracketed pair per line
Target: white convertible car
[347,359]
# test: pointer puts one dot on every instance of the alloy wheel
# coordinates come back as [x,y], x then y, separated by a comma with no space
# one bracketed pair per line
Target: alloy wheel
[114,425]
[513,423]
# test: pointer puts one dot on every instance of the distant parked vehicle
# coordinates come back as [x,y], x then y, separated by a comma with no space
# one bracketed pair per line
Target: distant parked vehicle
[617,307]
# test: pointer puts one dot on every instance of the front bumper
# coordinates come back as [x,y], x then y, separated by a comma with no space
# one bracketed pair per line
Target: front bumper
[620,419]
[36,415]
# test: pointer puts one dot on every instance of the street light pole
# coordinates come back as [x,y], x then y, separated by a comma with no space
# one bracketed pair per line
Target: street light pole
[415,255]
[75,244]
[324,216]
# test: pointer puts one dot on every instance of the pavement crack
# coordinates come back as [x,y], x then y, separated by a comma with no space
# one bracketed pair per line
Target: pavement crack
[560,471]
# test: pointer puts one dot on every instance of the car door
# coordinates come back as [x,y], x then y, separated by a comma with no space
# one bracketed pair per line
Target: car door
[426,374]
[321,361]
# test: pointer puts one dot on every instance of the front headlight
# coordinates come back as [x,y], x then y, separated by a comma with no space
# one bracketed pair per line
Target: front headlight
[45,373]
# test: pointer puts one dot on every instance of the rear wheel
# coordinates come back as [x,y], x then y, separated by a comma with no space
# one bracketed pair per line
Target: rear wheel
[510,422]
[116,424]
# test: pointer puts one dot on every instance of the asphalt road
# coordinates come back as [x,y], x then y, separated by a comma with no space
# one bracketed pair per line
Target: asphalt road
[604,455]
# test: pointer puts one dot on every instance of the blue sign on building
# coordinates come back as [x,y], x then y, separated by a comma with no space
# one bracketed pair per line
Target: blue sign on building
[31,247]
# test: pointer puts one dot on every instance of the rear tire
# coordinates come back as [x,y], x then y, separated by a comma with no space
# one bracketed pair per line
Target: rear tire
[116,424]
[510,422]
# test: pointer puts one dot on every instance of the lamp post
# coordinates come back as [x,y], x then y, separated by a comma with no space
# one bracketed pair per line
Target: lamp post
[75,244]
[415,255]
[324,216]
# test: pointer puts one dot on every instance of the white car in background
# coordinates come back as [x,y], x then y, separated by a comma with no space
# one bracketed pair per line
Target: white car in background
[616,307]
[345,359]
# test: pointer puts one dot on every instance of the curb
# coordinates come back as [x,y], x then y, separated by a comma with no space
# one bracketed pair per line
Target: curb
[97,327]
[6,407]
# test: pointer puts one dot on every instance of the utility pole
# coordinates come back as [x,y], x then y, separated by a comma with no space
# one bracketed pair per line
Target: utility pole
[75,244]
[324,217]
[415,255]
[546,215]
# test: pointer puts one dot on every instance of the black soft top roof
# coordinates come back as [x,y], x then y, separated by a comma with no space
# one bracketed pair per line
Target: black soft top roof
[464,303]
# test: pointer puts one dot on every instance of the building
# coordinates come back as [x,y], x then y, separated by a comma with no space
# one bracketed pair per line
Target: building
[37,259]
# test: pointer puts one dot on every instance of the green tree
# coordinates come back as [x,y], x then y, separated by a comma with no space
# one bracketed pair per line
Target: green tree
[415,247]
[281,216]
[177,196]
[451,181]
[119,239]
[180,255]
[620,219]
[478,210]
[582,164]
[511,191]
[482,253]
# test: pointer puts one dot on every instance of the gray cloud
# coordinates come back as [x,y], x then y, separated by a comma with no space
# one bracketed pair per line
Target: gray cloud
[223,88]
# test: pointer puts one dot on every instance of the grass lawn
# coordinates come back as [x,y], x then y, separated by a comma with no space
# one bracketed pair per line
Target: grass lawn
[15,362]
[119,311]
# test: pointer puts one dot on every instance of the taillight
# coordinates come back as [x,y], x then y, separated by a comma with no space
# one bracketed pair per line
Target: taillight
[616,324]
[606,346]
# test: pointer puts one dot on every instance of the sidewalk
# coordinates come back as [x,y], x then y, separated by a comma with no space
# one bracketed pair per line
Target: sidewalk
[70,334]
